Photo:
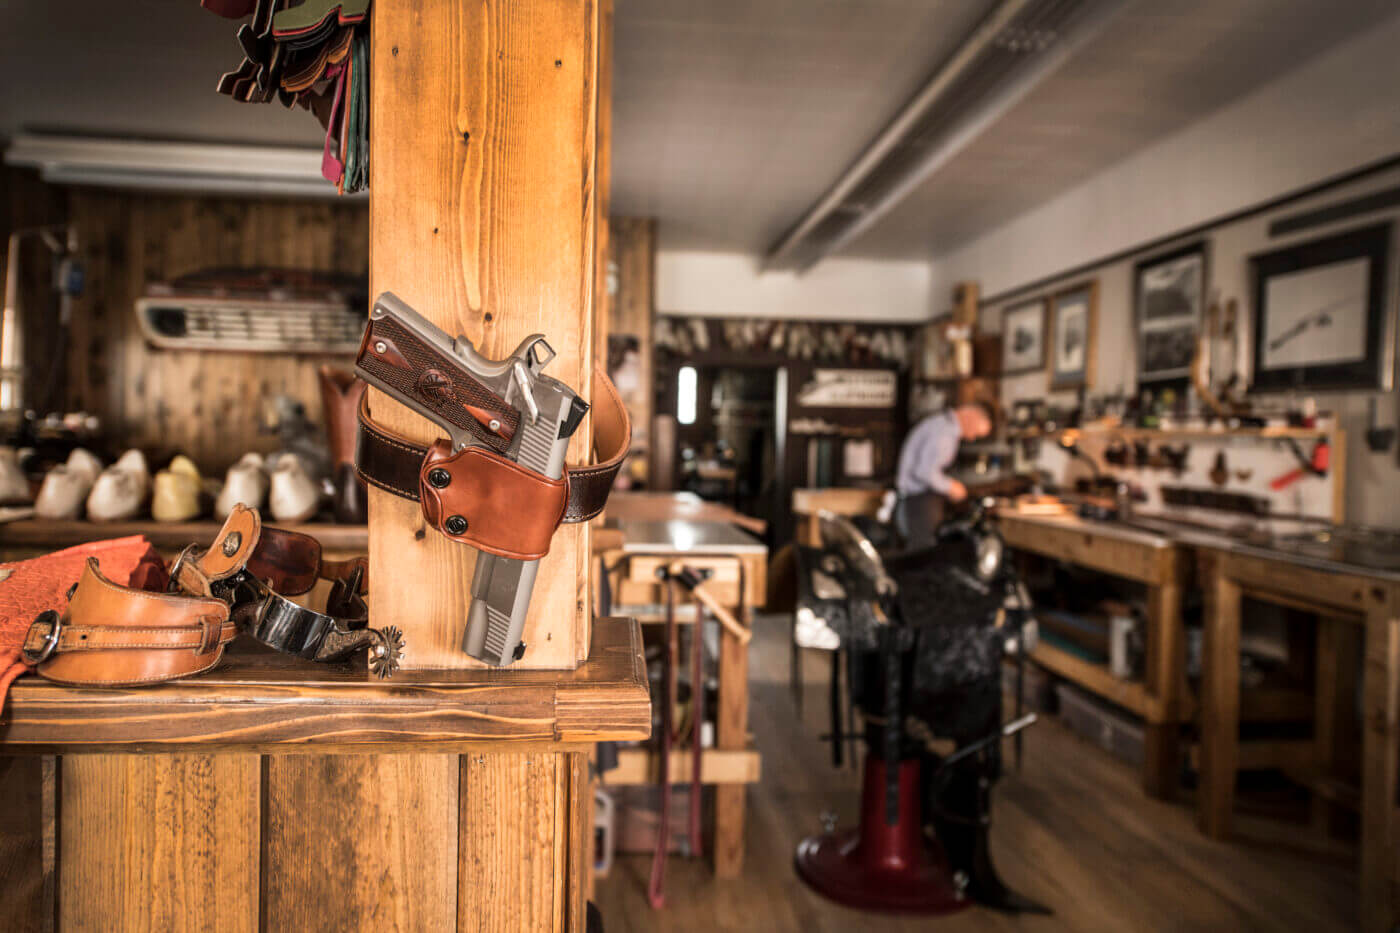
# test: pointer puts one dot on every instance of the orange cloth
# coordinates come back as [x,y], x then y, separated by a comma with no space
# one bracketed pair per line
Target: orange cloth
[32,586]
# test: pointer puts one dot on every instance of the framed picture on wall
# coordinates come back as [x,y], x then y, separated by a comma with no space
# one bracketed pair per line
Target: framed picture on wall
[1023,337]
[1072,336]
[1170,293]
[1321,313]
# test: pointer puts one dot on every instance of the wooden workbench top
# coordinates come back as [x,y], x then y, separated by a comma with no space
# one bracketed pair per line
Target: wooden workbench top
[1068,521]
[675,506]
[687,537]
[259,698]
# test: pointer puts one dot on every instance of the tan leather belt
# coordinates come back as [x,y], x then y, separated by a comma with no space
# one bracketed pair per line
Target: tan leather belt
[479,498]
[113,635]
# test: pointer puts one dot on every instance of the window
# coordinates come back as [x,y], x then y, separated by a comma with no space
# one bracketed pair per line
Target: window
[686,388]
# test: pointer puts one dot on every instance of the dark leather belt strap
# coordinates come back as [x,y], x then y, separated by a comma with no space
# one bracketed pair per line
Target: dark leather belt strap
[392,462]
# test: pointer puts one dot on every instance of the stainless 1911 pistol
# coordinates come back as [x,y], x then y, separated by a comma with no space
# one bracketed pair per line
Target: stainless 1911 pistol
[507,406]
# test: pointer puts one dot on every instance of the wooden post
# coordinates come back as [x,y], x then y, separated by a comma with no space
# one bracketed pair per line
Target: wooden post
[1220,705]
[1380,757]
[484,117]
[1166,658]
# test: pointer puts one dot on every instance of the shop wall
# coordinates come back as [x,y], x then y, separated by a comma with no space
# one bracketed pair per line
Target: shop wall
[199,402]
[701,284]
[1327,119]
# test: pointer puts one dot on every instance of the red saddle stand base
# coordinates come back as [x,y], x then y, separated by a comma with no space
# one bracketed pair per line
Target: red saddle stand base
[878,866]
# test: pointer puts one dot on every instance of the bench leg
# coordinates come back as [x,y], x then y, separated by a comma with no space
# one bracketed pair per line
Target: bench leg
[732,733]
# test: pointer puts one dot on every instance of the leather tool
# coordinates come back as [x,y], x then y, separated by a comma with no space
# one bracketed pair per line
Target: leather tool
[113,635]
[399,465]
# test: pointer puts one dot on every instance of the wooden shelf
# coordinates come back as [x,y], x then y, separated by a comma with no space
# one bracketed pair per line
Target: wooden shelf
[717,766]
[1095,678]
[262,699]
[1280,432]
[52,535]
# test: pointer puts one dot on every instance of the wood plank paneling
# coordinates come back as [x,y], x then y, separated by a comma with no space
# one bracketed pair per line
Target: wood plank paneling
[483,219]
[516,842]
[200,402]
[360,842]
[159,842]
[28,823]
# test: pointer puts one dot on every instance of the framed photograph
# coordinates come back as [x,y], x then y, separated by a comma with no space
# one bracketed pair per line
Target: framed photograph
[1321,313]
[1072,336]
[1023,337]
[1170,294]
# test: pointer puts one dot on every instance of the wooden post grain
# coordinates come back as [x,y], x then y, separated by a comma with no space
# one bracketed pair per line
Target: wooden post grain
[485,123]
[1220,706]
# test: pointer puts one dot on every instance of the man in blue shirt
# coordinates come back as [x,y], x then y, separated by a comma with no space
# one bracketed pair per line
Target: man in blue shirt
[922,479]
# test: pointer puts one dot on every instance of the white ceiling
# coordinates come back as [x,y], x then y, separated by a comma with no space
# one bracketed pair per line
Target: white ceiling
[731,116]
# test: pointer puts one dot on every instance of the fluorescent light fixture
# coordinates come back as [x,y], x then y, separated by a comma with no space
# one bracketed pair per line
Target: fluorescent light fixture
[206,168]
[687,390]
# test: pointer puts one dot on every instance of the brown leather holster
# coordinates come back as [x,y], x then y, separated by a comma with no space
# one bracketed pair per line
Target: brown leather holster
[113,635]
[478,497]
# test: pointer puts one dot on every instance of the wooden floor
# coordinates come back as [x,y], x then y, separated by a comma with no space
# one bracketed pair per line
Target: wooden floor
[1072,830]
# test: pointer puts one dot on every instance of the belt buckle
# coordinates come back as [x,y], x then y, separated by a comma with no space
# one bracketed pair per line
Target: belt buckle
[55,623]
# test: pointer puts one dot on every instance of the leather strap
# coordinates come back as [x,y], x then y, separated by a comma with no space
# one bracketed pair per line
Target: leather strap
[114,635]
[201,638]
[393,462]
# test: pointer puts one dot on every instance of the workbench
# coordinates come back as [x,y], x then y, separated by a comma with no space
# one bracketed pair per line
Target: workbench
[738,564]
[1163,698]
[1347,599]
[273,793]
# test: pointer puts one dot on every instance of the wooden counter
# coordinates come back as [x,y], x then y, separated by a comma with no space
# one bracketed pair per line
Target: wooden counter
[278,794]
[1163,699]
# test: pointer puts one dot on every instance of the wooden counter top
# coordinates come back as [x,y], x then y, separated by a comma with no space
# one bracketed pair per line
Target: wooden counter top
[687,537]
[260,698]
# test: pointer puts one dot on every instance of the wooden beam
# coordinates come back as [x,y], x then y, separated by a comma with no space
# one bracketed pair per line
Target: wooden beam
[1095,678]
[485,122]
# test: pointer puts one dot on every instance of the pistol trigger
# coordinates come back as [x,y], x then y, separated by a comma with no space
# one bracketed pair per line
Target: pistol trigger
[527,393]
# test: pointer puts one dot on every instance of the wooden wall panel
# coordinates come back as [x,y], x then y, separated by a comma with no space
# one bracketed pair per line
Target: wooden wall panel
[159,842]
[517,836]
[28,788]
[200,402]
[482,218]
[361,842]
